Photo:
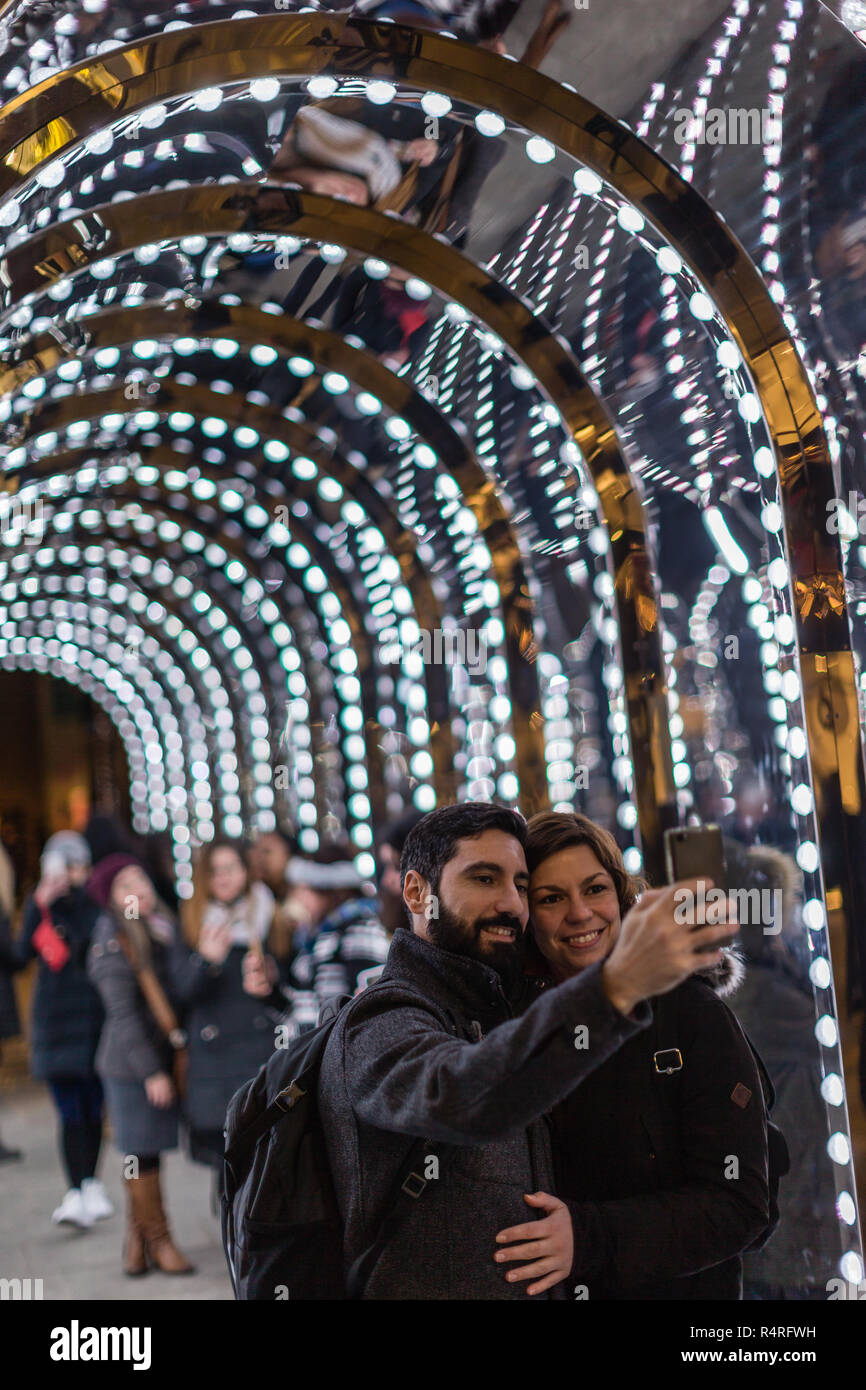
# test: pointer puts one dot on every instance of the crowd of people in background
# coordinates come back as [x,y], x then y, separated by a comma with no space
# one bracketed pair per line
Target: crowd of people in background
[156,1011]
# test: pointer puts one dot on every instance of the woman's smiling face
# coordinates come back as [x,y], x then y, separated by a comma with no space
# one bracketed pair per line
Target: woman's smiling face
[575,910]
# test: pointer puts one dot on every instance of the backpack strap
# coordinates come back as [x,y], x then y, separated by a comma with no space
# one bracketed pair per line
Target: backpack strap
[408,1186]
[252,1133]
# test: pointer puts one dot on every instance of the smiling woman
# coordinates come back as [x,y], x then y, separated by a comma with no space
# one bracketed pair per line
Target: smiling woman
[576,913]
[579,892]
[643,1146]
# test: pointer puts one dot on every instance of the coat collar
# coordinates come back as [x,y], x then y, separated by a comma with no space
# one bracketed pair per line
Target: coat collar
[446,977]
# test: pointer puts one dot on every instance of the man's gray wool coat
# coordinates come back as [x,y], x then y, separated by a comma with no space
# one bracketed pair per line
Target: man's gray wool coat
[433,1051]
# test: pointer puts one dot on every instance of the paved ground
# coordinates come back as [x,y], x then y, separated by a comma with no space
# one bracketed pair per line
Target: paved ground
[86,1264]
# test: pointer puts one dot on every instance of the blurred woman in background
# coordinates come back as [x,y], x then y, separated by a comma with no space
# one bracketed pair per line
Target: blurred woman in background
[135,960]
[231,1034]
[66,1018]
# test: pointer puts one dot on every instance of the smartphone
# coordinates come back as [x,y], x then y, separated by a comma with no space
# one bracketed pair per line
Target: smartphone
[696,852]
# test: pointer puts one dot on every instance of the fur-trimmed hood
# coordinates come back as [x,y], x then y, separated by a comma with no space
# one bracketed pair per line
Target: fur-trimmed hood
[726,977]
[748,867]
[764,866]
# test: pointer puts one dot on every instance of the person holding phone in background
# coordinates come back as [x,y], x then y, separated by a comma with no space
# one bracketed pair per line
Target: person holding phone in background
[67,1017]
[227,920]
[661,1153]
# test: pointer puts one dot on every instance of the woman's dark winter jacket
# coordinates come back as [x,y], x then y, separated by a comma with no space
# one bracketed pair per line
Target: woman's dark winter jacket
[662,1154]
[231,1034]
[433,1051]
[132,1046]
[67,1014]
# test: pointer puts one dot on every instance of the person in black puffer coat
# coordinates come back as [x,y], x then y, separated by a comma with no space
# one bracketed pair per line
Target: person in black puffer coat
[231,1034]
[67,1017]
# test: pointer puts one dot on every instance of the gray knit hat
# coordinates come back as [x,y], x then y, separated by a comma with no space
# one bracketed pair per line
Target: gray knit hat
[68,846]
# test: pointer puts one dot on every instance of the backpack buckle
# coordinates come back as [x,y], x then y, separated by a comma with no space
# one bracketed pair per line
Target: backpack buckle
[668,1060]
[414,1185]
[286,1098]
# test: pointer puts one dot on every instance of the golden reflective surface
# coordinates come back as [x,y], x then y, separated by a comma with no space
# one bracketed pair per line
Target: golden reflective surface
[583,374]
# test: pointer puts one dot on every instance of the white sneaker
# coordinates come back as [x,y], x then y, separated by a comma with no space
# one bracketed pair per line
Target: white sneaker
[96,1199]
[72,1211]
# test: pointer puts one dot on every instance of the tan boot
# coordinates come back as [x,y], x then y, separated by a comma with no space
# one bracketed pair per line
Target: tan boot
[161,1249]
[134,1253]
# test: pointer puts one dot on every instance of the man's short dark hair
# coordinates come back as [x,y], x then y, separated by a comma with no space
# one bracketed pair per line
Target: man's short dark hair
[433,841]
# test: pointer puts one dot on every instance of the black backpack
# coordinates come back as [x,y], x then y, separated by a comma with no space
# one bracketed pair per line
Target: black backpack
[666,1025]
[281,1227]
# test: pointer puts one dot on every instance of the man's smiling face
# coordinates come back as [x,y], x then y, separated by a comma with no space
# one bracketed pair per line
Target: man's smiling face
[482,907]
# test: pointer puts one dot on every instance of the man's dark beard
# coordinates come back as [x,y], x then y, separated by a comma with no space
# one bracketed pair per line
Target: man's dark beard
[451,933]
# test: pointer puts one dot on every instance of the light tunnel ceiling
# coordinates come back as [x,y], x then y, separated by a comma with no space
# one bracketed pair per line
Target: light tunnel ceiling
[345,479]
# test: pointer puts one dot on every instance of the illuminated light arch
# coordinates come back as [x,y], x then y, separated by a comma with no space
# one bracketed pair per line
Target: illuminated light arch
[97,651]
[82,679]
[198,708]
[183,518]
[143,705]
[81,538]
[205,639]
[348,600]
[201,323]
[801,451]
[212,320]
[158,801]
[164,459]
[64,109]
[274,210]
[51,416]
